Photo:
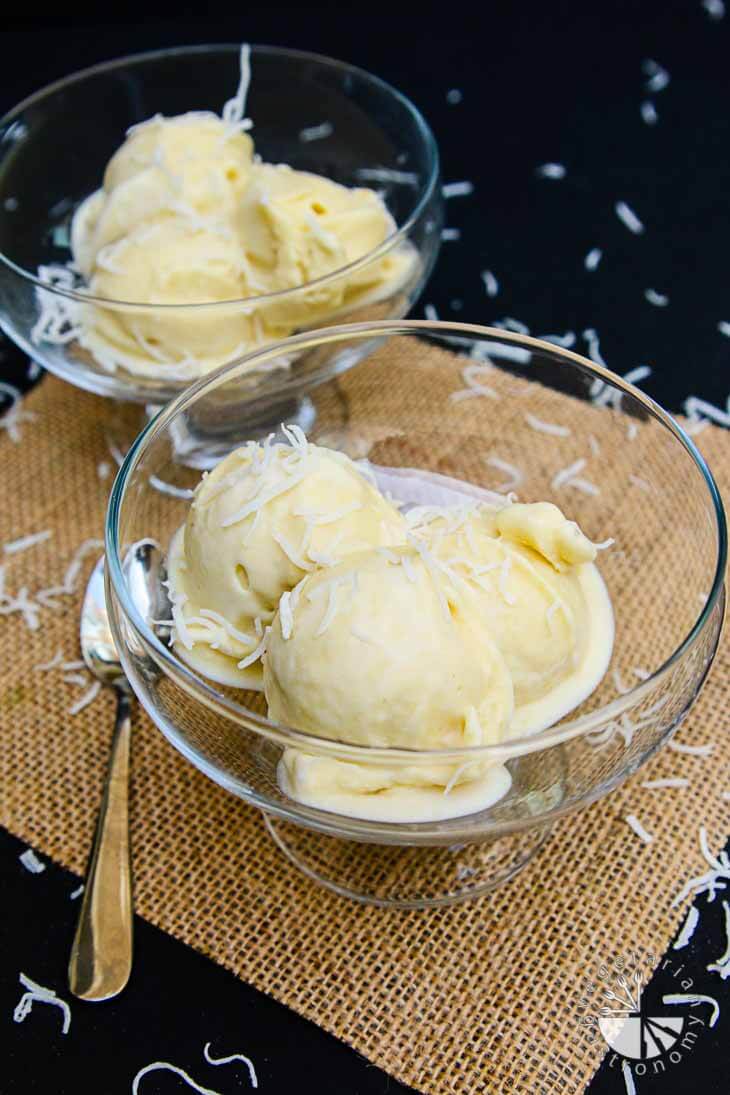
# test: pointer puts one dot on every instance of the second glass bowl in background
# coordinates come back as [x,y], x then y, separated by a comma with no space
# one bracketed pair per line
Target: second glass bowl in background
[54,148]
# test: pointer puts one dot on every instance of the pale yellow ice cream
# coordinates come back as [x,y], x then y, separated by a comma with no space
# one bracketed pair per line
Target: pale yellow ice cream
[380,651]
[187,216]
[262,520]
[531,571]
[447,629]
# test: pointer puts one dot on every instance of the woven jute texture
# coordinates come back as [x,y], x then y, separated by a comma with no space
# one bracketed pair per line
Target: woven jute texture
[477,997]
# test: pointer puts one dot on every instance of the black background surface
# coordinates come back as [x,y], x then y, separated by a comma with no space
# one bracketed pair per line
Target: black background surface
[540,82]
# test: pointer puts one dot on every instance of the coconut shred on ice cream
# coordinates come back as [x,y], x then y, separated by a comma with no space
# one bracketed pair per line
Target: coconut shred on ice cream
[188,215]
[433,629]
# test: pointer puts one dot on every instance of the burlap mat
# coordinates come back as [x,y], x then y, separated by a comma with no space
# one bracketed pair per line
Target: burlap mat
[479,997]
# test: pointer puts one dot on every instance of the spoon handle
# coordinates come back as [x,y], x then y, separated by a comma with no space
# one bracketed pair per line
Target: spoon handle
[101,955]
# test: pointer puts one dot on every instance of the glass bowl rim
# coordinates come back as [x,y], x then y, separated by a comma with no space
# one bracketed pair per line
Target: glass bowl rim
[424,192]
[205,693]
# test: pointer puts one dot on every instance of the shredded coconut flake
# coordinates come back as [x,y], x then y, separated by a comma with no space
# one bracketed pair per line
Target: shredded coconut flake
[286,617]
[648,112]
[449,235]
[633,822]
[551,171]
[235,108]
[659,300]
[657,784]
[692,750]
[541,426]
[387,174]
[77,892]
[170,488]
[430,312]
[567,340]
[565,475]
[694,998]
[31,862]
[642,484]
[628,1078]
[36,993]
[695,407]
[26,542]
[255,654]
[628,217]
[688,928]
[514,473]
[457,189]
[722,965]
[454,96]
[491,285]
[658,76]
[715,9]
[593,258]
[229,1060]
[86,699]
[165,1066]
[316,132]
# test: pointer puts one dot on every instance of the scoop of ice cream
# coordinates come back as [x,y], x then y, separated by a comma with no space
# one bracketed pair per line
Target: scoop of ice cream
[186,217]
[170,263]
[192,165]
[537,614]
[378,650]
[265,517]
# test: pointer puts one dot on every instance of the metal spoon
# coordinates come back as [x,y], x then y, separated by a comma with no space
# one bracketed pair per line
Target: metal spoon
[101,954]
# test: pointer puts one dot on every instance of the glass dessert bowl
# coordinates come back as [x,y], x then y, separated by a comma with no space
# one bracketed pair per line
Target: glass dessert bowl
[443,414]
[201,247]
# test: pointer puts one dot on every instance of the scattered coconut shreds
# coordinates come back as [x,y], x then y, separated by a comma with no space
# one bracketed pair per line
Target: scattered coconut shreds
[692,750]
[593,445]
[12,418]
[229,1060]
[565,475]
[593,258]
[165,1066]
[546,427]
[454,96]
[430,313]
[514,473]
[713,880]
[658,784]
[642,484]
[491,285]
[724,328]
[688,928]
[628,217]
[86,699]
[26,542]
[619,684]
[722,965]
[633,822]
[658,76]
[509,323]
[31,862]
[387,174]
[316,132]
[694,998]
[457,189]
[34,370]
[594,349]
[695,408]
[648,113]
[235,108]
[642,674]
[715,9]
[449,235]
[659,300]
[567,340]
[169,488]
[77,892]
[551,171]
[36,993]
[632,431]
[628,1078]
